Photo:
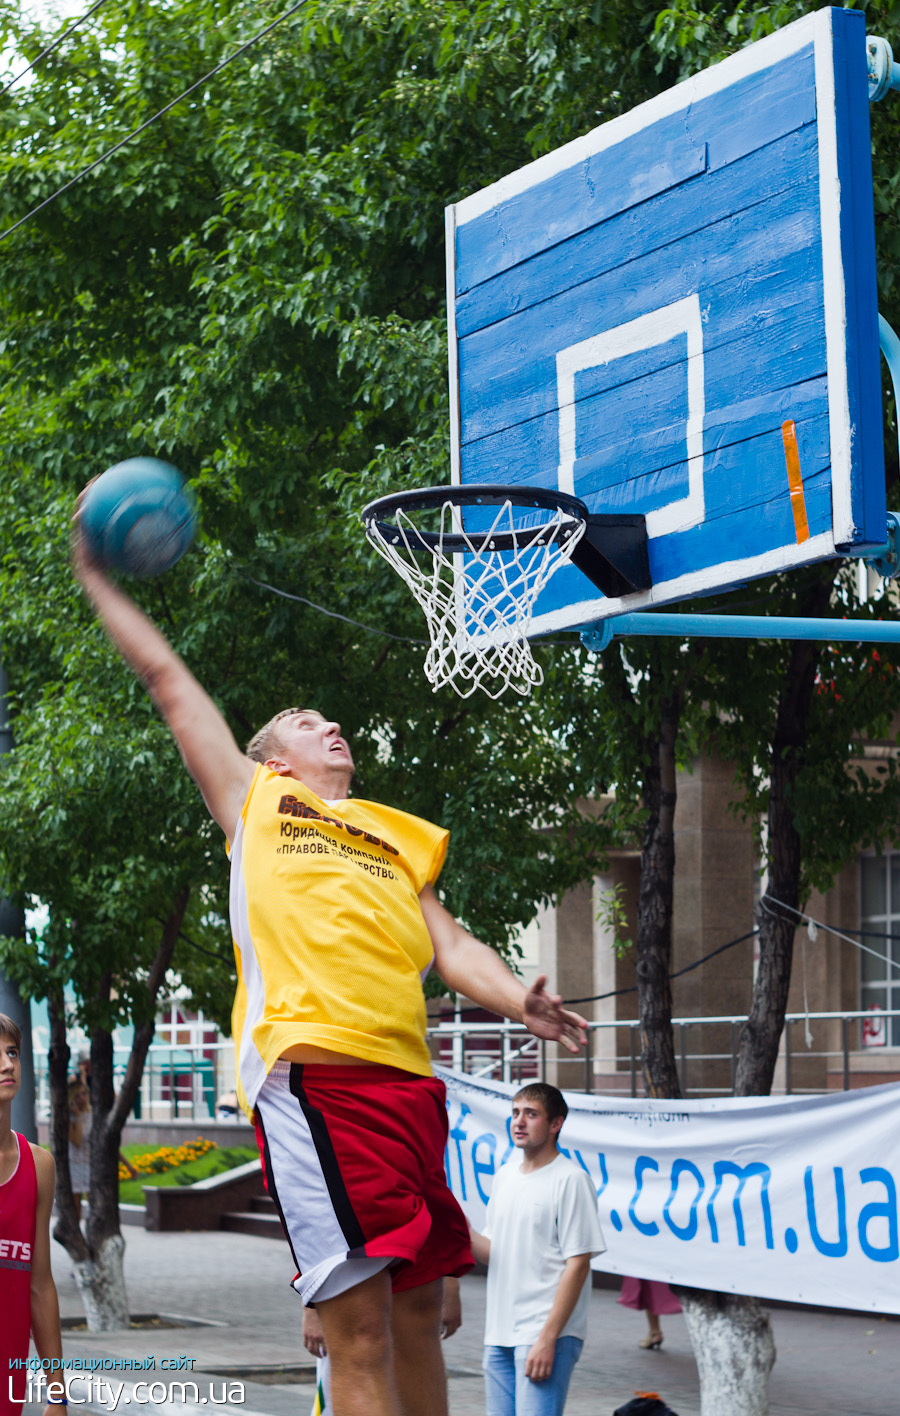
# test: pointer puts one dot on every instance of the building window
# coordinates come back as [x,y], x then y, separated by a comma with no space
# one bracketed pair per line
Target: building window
[880,969]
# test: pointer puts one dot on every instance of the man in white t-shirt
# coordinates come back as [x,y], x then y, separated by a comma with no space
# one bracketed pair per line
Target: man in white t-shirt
[542,1232]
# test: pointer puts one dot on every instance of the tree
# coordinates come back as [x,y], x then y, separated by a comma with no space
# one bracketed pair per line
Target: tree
[254,288]
[114,918]
[792,756]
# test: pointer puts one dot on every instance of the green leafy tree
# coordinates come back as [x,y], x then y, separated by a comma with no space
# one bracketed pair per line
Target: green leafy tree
[790,737]
[254,288]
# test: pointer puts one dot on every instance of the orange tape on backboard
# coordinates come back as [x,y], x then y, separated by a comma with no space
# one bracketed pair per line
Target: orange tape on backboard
[795,480]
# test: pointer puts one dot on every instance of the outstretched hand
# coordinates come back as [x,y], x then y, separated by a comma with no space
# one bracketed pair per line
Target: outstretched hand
[544,1015]
[83,562]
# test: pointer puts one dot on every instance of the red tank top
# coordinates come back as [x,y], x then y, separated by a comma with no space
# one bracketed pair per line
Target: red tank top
[18,1210]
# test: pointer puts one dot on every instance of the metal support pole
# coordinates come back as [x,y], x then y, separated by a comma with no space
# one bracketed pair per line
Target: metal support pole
[884,74]
[845,1049]
[633,1068]
[588,1079]
[678,626]
[890,348]
[787,1056]
[733,1056]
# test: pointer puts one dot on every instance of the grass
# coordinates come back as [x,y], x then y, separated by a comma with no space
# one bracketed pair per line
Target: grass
[215,1162]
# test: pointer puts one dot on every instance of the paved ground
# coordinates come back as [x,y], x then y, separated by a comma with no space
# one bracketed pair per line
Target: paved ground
[237,1286]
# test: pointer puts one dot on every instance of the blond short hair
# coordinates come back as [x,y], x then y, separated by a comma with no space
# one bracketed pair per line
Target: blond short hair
[267,742]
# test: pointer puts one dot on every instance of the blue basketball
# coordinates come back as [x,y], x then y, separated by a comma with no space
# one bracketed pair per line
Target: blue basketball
[139,517]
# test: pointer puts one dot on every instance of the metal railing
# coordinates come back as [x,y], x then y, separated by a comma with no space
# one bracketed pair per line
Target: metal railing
[180,1081]
[611,1062]
[184,1081]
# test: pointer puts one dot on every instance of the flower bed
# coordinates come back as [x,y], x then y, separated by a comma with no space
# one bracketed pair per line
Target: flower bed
[157,1162]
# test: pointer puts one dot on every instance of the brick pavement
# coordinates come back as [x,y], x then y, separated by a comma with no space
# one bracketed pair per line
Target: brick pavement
[828,1364]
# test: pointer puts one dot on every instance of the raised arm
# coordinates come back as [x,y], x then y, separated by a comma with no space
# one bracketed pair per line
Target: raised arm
[470,967]
[211,755]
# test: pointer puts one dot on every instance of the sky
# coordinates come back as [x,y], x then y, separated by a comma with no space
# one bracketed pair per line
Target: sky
[48,12]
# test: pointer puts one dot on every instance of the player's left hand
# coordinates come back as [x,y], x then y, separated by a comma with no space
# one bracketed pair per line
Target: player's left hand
[313,1336]
[451,1308]
[539,1362]
[544,1015]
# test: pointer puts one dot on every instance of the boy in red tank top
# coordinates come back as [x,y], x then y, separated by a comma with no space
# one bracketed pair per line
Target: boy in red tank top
[28,1301]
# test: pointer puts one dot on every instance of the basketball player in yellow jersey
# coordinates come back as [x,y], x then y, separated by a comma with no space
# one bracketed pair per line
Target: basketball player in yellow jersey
[335,923]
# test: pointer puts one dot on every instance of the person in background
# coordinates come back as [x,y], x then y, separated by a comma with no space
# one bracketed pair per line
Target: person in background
[29,1306]
[542,1232]
[654,1298]
[80,1118]
[227,1107]
[79,1141]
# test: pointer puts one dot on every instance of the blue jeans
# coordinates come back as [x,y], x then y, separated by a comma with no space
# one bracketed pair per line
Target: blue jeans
[507,1390]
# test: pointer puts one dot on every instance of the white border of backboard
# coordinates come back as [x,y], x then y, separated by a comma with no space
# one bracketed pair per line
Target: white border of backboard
[816,29]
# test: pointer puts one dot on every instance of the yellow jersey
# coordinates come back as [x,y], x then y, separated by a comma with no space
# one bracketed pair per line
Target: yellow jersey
[329,939]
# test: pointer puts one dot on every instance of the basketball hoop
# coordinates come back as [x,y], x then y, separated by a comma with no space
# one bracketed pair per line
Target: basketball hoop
[476,558]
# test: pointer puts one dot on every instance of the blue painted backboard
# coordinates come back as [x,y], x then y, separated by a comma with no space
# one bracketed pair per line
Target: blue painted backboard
[677,315]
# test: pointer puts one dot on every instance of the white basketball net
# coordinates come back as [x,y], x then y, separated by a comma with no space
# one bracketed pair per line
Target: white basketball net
[479,602]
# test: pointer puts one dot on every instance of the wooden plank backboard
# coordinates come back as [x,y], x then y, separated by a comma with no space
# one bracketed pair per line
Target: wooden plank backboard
[677,314]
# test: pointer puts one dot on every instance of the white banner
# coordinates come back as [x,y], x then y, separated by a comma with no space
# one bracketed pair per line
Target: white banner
[783,1197]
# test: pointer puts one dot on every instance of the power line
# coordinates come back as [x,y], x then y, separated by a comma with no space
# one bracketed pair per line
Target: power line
[829,929]
[50,47]
[632,988]
[333,614]
[598,997]
[144,126]
[370,628]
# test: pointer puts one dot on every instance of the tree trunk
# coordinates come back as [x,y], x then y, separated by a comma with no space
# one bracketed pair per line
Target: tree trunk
[761,1034]
[655,899]
[66,1230]
[732,1340]
[101,1284]
[732,1335]
[98,1253]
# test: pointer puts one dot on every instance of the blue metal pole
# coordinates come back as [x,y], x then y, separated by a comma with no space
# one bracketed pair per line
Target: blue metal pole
[890,348]
[884,73]
[680,626]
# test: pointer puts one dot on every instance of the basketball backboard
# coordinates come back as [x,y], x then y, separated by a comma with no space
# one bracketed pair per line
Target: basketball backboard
[676,315]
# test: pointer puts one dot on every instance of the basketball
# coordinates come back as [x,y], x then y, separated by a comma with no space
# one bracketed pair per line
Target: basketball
[139,517]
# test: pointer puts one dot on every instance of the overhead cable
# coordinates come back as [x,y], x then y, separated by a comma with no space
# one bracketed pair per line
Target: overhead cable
[632,988]
[161,113]
[333,614]
[829,929]
[50,47]
[370,628]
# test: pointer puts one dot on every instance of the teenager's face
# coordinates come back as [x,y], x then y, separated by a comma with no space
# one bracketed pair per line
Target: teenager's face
[531,1130]
[10,1069]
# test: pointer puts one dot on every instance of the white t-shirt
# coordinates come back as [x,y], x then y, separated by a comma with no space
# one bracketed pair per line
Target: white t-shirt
[536,1221]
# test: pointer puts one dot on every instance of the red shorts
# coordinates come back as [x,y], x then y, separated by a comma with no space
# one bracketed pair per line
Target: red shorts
[354,1159]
